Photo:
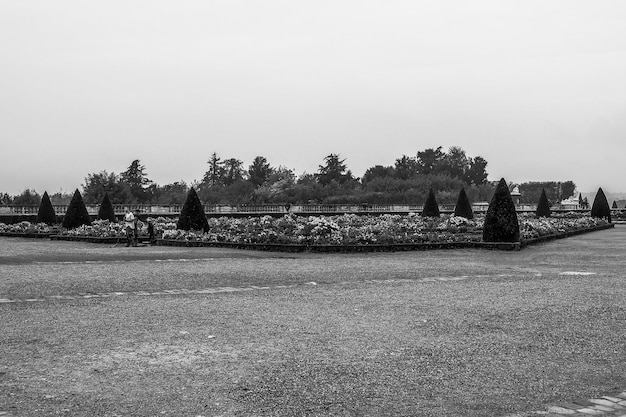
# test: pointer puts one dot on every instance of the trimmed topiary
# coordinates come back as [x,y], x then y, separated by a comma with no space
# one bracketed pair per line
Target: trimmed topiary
[614,204]
[76,214]
[431,209]
[501,223]
[463,207]
[106,210]
[543,208]
[192,215]
[600,207]
[46,213]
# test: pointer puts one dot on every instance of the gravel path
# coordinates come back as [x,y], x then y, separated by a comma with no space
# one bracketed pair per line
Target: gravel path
[203,332]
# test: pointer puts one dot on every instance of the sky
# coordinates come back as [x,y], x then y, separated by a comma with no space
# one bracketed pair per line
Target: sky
[536,87]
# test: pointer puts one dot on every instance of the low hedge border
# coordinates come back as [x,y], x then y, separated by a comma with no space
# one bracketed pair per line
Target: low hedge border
[277,247]
[95,239]
[546,238]
[26,235]
[390,247]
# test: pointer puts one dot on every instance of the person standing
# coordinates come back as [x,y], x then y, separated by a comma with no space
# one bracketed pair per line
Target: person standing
[129,226]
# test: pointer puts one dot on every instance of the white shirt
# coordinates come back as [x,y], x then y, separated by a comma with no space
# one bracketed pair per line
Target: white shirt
[129,218]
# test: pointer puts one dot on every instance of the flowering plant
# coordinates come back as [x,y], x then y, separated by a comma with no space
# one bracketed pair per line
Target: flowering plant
[24,227]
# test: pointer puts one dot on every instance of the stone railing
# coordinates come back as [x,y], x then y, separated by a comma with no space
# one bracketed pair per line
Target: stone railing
[223,209]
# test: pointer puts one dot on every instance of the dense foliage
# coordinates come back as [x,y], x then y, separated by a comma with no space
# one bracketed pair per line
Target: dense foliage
[106,210]
[76,214]
[192,215]
[600,207]
[501,223]
[431,208]
[555,190]
[543,207]
[463,207]
[46,213]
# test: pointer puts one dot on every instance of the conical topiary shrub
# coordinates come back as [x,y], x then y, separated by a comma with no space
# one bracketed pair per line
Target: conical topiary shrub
[463,207]
[106,210]
[192,215]
[76,214]
[46,212]
[431,209]
[614,204]
[600,207]
[501,224]
[543,207]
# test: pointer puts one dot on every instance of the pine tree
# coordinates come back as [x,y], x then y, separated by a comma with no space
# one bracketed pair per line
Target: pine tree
[106,210]
[600,207]
[431,209]
[501,223]
[192,215]
[463,207]
[76,214]
[46,212]
[543,207]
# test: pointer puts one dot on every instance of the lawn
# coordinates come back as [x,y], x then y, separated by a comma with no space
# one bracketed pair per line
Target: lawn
[437,333]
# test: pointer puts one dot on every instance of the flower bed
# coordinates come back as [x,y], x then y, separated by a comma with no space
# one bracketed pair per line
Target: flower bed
[25,229]
[533,228]
[348,229]
[340,233]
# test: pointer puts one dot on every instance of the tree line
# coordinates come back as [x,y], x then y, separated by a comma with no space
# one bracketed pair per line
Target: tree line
[229,181]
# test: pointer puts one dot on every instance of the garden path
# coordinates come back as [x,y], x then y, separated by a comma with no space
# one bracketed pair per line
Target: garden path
[480,297]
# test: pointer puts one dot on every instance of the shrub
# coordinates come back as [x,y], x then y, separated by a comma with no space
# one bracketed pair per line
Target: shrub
[106,210]
[431,209]
[614,204]
[543,207]
[192,215]
[501,223]
[76,214]
[600,207]
[46,212]
[463,207]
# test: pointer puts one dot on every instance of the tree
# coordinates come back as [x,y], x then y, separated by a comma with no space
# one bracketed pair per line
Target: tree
[453,163]
[233,171]
[501,223]
[463,207]
[378,171]
[600,207]
[476,173]
[334,170]
[137,180]
[46,213]
[428,160]
[405,167]
[431,209]
[101,183]
[614,204]
[259,171]
[27,198]
[543,207]
[192,216]
[76,214]
[555,190]
[214,176]
[174,193]
[585,203]
[106,210]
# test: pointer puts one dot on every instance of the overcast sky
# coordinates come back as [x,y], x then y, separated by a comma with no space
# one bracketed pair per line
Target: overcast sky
[536,87]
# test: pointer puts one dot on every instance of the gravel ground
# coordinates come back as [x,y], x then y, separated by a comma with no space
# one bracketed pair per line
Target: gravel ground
[513,332]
